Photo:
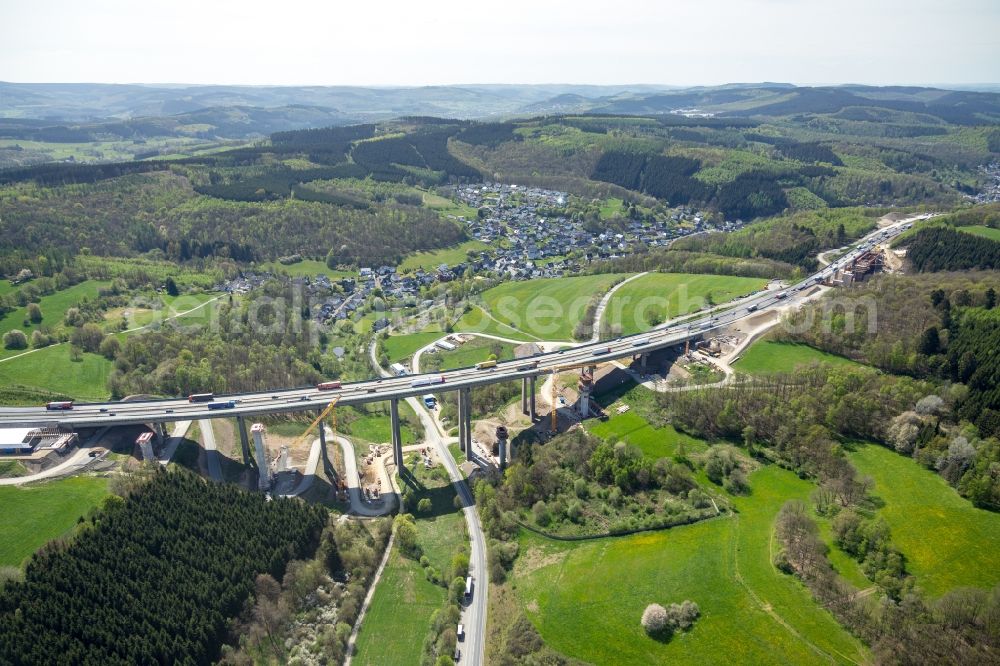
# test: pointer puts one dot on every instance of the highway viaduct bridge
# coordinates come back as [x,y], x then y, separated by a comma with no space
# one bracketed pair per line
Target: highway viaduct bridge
[393,389]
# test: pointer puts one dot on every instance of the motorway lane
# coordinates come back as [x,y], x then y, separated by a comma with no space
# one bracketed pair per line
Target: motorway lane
[299,399]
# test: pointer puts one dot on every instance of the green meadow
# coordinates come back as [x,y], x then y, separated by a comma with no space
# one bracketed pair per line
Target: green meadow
[769,357]
[659,296]
[37,513]
[947,541]
[548,308]
[586,599]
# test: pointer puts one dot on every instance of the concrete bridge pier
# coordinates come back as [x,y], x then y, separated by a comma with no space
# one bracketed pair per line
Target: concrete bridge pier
[397,438]
[643,360]
[524,395]
[462,444]
[502,436]
[245,442]
[160,430]
[585,386]
[531,399]
[465,421]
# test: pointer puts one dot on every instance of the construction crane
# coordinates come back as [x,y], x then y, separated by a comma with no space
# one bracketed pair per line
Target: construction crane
[329,410]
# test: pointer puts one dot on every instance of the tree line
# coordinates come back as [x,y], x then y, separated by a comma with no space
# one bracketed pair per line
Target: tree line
[958,628]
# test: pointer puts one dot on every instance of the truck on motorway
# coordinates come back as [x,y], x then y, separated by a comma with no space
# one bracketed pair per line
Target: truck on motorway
[640,342]
[483,365]
[430,402]
[228,404]
[752,308]
[427,381]
[59,405]
[781,295]
[602,351]
[328,386]
[531,365]
[201,397]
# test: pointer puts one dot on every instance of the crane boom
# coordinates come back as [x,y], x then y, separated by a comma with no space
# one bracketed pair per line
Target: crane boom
[323,415]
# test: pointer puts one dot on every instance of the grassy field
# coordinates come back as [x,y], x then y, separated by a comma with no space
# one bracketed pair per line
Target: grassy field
[53,307]
[446,206]
[586,599]
[401,347]
[41,512]
[985,232]
[50,369]
[376,427]
[654,442]
[548,308]
[389,636]
[611,207]
[947,542]
[473,352]
[767,357]
[477,321]
[448,255]
[669,295]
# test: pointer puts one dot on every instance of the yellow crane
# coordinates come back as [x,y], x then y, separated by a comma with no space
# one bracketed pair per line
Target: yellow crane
[329,410]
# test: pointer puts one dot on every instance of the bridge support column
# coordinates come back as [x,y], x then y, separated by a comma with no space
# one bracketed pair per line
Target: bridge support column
[397,439]
[462,444]
[643,359]
[465,422]
[244,442]
[584,387]
[531,399]
[524,395]
[161,434]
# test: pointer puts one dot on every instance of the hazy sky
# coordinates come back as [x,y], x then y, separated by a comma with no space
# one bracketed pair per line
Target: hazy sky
[414,42]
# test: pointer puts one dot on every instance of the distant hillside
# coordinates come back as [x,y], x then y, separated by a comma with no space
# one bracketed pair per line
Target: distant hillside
[852,102]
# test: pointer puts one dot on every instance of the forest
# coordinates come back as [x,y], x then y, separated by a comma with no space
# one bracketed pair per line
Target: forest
[162,213]
[942,326]
[945,249]
[153,578]
[794,239]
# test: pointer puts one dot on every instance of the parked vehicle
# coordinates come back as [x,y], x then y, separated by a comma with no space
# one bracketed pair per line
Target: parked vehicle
[430,402]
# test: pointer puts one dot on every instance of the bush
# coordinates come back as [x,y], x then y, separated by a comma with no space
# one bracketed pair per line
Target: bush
[39,340]
[34,313]
[15,339]
[654,619]
[424,505]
